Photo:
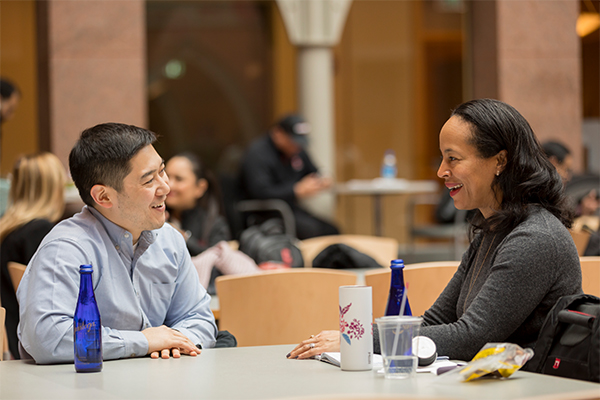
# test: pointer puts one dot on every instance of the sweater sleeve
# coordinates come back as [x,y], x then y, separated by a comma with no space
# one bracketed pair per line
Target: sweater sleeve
[526,267]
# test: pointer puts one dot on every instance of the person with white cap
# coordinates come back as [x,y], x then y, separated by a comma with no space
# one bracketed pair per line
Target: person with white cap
[277,166]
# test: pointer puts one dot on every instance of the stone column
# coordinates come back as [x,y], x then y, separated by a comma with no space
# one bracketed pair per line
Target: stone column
[527,54]
[95,67]
[315,26]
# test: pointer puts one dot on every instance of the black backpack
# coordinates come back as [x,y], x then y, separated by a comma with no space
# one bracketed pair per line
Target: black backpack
[569,341]
[340,255]
[267,242]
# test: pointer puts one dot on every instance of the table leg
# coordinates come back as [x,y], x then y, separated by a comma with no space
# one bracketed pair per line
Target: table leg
[377,214]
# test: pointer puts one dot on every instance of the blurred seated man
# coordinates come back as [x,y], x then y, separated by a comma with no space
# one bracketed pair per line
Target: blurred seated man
[276,166]
[147,289]
[560,156]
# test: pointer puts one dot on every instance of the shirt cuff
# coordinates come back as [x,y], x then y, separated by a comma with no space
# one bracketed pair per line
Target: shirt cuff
[204,344]
[136,344]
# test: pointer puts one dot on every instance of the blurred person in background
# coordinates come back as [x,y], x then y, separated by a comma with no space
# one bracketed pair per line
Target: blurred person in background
[9,99]
[36,203]
[560,156]
[276,166]
[195,209]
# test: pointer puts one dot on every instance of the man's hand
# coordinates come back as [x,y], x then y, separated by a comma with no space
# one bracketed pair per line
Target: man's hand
[165,341]
[310,185]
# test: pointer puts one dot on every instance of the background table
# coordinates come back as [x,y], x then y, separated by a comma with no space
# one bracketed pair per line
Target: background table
[379,187]
[259,373]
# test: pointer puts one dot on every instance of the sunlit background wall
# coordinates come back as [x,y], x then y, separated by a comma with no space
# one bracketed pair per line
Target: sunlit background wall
[210,76]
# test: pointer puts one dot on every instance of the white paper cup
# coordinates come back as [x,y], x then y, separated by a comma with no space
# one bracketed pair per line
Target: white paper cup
[356,328]
[396,335]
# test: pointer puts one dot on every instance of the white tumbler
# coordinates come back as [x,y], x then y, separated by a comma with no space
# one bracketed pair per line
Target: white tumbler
[356,328]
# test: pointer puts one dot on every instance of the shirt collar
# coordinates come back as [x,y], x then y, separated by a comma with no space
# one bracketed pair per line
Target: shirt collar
[119,236]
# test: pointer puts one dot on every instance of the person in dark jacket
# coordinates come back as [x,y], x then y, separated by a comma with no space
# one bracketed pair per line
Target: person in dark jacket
[276,166]
[36,203]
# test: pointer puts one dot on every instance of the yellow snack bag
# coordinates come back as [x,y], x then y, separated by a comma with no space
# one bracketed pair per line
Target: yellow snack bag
[494,359]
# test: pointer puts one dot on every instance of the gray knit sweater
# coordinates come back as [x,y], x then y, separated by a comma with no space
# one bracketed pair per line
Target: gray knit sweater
[506,295]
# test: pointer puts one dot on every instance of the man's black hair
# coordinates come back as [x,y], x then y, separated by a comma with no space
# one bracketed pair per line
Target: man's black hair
[102,156]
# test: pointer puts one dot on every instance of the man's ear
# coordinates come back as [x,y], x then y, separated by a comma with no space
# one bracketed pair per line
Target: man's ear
[102,195]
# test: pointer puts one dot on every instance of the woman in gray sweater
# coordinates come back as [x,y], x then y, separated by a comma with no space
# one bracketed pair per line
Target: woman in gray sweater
[521,259]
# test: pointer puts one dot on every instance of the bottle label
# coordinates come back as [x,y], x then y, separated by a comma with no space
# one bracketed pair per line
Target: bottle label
[87,326]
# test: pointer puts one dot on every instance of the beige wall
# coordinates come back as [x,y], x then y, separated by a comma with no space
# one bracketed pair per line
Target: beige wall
[96,67]
[18,62]
[374,106]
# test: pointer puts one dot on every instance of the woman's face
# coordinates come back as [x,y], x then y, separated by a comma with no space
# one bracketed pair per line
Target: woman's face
[468,176]
[185,188]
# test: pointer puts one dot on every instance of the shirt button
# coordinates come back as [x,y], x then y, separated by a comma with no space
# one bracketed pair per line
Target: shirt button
[132,355]
[117,247]
[126,235]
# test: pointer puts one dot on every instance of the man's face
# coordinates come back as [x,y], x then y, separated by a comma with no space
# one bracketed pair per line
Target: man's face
[140,205]
[285,142]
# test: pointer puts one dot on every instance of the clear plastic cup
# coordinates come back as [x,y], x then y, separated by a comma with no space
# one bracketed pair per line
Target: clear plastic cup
[396,335]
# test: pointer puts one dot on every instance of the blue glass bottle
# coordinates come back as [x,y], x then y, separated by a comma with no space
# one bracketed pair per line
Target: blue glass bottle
[87,328]
[397,290]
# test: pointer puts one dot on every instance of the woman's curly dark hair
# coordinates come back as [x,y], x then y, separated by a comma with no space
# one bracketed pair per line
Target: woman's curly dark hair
[528,177]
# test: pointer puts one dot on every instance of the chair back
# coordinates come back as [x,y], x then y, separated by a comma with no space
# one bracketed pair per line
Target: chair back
[281,306]
[16,271]
[590,275]
[426,281]
[581,239]
[381,249]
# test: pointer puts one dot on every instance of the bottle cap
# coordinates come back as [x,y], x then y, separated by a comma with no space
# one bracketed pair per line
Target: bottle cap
[398,263]
[85,268]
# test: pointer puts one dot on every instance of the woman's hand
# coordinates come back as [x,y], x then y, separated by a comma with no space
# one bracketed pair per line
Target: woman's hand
[317,344]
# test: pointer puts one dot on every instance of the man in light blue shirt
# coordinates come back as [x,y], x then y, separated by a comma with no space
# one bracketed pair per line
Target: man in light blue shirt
[146,287]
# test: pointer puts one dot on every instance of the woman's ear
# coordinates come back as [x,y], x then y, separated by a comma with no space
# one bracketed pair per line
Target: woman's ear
[501,158]
[201,188]
[102,195]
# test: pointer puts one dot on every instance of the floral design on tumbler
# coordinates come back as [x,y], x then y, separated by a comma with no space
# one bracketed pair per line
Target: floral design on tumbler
[353,330]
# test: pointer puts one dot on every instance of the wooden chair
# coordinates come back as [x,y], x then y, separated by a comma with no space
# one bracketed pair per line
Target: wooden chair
[425,283]
[382,249]
[280,306]
[590,275]
[16,271]
[581,239]
[2,332]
